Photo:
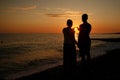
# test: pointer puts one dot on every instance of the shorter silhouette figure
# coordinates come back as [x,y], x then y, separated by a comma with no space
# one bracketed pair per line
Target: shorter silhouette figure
[84,41]
[69,48]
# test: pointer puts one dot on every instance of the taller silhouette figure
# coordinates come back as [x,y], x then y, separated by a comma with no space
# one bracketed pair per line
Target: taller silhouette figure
[84,41]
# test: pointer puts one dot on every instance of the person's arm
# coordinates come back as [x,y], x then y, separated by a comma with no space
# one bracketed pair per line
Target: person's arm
[75,40]
[78,28]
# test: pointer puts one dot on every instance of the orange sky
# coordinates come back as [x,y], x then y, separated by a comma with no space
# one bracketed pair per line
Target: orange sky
[50,16]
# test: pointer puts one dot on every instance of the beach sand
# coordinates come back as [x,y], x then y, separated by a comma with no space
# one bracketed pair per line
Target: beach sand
[106,66]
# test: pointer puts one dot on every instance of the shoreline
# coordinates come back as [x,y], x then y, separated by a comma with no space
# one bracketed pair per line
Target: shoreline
[107,39]
[99,49]
[105,50]
[33,71]
[102,68]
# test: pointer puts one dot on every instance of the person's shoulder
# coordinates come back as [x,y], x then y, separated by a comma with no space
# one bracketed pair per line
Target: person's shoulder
[64,29]
[89,24]
[80,25]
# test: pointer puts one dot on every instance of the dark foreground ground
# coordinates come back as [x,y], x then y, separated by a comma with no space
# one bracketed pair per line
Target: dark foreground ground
[101,68]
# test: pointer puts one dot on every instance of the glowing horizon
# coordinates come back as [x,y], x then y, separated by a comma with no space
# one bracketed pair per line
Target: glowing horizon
[44,16]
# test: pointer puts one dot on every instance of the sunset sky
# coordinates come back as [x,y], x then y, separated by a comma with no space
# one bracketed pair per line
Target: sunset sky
[50,16]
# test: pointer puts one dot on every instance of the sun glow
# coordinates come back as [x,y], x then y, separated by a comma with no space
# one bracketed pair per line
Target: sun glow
[75,29]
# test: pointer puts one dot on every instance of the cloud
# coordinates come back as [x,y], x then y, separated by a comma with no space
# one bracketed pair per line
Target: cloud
[55,15]
[7,10]
[17,8]
[73,13]
[61,12]
[24,7]
[65,14]
[56,9]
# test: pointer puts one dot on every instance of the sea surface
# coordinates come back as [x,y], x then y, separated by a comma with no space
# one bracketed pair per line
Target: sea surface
[25,52]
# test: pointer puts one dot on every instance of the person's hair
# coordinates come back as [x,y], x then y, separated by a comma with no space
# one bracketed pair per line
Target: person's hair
[69,22]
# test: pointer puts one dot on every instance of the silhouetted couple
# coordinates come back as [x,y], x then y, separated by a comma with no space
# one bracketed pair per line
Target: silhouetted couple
[84,44]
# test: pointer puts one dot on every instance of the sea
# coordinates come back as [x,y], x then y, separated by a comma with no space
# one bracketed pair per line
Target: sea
[25,54]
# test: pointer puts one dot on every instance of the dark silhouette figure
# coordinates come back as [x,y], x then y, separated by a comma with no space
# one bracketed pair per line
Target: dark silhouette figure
[84,41]
[69,49]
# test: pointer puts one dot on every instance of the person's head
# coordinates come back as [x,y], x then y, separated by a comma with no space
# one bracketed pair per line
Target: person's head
[84,17]
[69,23]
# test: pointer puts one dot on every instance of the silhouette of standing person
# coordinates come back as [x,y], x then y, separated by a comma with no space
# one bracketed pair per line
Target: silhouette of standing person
[84,41]
[69,48]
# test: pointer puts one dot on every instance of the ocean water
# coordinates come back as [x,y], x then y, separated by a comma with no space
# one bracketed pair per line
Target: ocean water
[24,52]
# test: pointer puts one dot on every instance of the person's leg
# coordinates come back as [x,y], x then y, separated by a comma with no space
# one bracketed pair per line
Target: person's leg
[70,62]
[88,56]
[83,58]
[66,62]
